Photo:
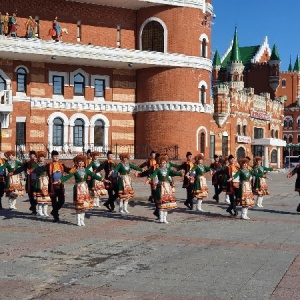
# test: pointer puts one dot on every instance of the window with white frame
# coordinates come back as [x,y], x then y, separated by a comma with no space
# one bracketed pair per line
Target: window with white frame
[99,133]
[79,85]
[99,88]
[58,85]
[21,80]
[58,132]
[78,133]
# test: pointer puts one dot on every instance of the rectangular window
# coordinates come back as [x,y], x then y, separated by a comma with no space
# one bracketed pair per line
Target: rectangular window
[57,135]
[99,87]
[21,84]
[58,85]
[258,133]
[212,146]
[20,133]
[224,145]
[298,138]
[78,136]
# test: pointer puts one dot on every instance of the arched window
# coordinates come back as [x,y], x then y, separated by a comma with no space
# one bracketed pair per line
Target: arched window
[204,44]
[274,156]
[153,37]
[238,129]
[78,137]
[298,123]
[202,95]
[58,132]
[99,133]
[21,80]
[285,123]
[290,122]
[283,83]
[2,84]
[240,153]
[272,133]
[276,134]
[245,130]
[298,138]
[202,143]
[79,85]
[290,139]
[285,137]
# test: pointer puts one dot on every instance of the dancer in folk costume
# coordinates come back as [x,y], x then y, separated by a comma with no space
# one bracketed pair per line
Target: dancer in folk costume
[13,188]
[296,170]
[200,185]
[41,192]
[97,188]
[164,194]
[30,25]
[111,184]
[260,187]
[6,24]
[188,183]
[13,25]
[232,187]
[2,180]
[30,179]
[125,189]
[150,163]
[245,195]
[81,196]
[55,170]
[216,166]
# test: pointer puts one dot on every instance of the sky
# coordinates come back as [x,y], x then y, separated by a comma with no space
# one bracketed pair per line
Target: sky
[278,20]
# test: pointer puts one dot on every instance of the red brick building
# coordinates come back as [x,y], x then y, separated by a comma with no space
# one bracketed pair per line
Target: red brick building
[127,75]
[248,111]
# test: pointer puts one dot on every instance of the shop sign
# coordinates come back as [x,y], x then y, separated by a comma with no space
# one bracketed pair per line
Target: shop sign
[243,139]
[260,115]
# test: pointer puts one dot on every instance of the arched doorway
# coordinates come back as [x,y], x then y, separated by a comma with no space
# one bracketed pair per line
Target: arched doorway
[240,153]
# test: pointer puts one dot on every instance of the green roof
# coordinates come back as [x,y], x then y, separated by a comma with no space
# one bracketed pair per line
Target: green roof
[246,54]
[275,54]
[235,51]
[297,64]
[290,69]
[217,60]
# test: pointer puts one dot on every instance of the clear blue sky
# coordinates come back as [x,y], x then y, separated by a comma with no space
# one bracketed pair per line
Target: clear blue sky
[278,20]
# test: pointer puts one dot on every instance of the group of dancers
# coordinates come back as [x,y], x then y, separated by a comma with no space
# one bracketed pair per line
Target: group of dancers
[45,182]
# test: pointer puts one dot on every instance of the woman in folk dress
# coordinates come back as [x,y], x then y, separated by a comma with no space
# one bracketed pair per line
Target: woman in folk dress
[97,188]
[245,194]
[41,193]
[125,190]
[81,195]
[260,187]
[13,188]
[200,185]
[164,194]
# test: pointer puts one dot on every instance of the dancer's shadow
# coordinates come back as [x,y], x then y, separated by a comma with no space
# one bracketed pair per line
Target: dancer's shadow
[272,211]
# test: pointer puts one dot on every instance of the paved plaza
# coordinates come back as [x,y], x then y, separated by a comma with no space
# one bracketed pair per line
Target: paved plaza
[196,256]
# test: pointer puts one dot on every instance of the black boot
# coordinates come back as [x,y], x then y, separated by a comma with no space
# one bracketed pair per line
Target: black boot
[1,204]
[229,210]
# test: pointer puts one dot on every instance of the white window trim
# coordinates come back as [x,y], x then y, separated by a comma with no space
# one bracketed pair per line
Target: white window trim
[21,94]
[7,79]
[65,75]
[202,83]
[50,131]
[197,137]
[86,130]
[83,73]
[101,77]
[201,38]
[105,120]
[165,32]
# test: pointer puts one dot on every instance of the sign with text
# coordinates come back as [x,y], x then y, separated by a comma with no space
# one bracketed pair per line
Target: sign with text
[260,115]
[243,139]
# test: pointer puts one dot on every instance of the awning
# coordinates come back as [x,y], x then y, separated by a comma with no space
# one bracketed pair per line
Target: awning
[269,142]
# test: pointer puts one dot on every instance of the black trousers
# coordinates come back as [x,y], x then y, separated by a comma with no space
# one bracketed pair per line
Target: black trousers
[233,199]
[58,200]
[218,189]
[112,196]
[32,201]
[2,186]
[190,195]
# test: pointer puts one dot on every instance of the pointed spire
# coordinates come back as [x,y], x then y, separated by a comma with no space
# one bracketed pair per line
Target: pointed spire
[235,51]
[217,60]
[290,69]
[274,55]
[297,65]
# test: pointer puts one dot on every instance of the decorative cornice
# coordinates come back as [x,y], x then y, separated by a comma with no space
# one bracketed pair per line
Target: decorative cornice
[77,54]
[105,106]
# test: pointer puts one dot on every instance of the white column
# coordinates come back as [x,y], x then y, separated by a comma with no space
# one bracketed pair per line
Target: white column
[278,158]
[266,157]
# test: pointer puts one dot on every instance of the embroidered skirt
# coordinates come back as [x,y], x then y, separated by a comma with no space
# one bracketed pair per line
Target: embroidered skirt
[82,198]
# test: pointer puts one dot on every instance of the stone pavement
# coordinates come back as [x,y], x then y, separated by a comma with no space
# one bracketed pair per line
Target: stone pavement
[197,256]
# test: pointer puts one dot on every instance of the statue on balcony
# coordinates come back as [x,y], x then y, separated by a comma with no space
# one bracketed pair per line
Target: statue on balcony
[1,23]
[30,25]
[13,25]
[55,32]
[5,24]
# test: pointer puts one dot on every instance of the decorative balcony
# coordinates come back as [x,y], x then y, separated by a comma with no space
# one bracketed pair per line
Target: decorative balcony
[6,101]
[89,55]
[137,4]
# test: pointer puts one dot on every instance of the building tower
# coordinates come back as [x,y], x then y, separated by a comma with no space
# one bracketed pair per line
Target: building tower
[274,64]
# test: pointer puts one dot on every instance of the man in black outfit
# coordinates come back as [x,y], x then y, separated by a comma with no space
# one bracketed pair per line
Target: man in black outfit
[112,187]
